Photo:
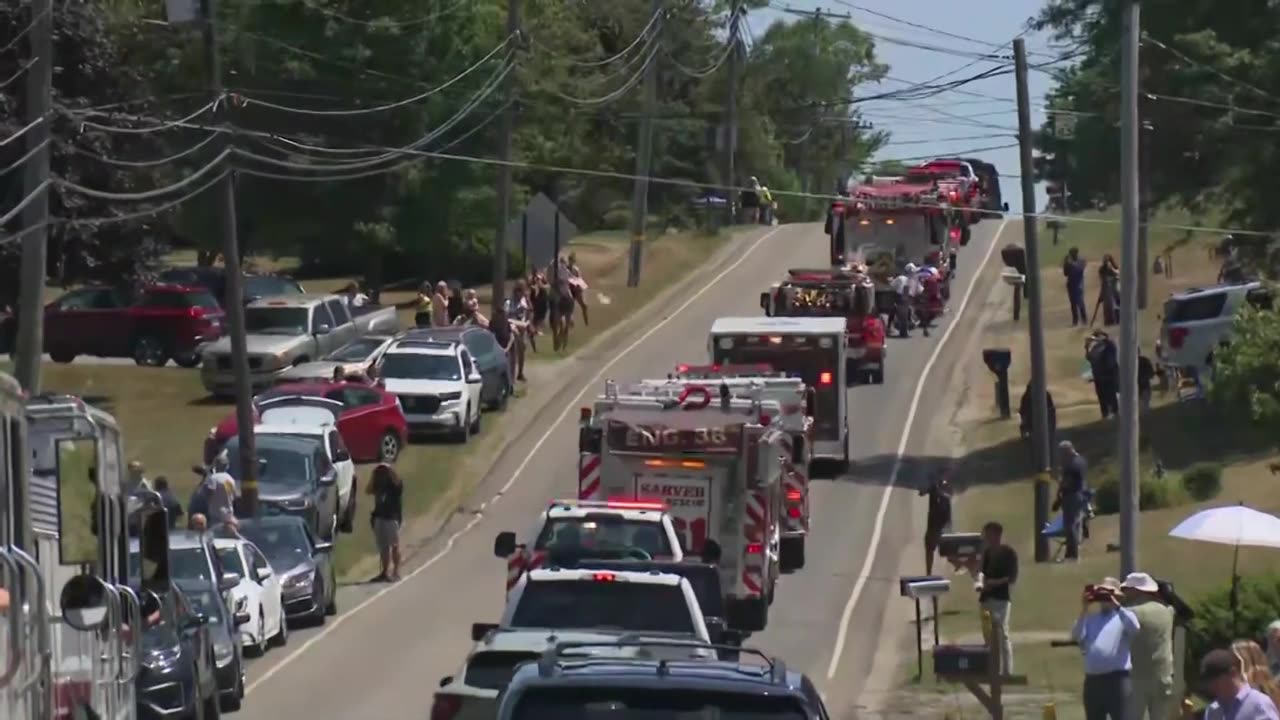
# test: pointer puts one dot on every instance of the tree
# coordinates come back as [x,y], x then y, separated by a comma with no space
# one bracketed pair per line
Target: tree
[1246,375]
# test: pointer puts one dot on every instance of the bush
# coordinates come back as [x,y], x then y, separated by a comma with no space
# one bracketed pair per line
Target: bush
[1153,494]
[1211,628]
[1203,481]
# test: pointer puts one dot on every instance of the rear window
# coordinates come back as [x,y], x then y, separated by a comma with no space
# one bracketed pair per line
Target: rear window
[493,670]
[603,536]
[620,605]
[626,703]
[1196,307]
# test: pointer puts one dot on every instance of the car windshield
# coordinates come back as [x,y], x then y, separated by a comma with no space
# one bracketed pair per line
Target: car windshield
[355,351]
[260,286]
[206,603]
[602,537]
[229,557]
[583,702]
[190,565]
[603,605]
[282,460]
[276,320]
[419,366]
[286,546]
[160,636]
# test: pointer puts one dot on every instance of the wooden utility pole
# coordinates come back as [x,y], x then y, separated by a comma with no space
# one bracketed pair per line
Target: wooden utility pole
[500,240]
[731,114]
[1127,421]
[644,159]
[35,189]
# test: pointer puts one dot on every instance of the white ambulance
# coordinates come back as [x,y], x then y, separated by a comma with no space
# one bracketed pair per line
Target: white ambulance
[715,462]
[813,349]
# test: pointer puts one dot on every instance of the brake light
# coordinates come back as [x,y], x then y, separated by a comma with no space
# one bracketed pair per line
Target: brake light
[1177,336]
[195,312]
[775,340]
[794,496]
[755,548]
[954,196]
[603,577]
[824,378]
[682,368]
[873,331]
[765,419]
[955,233]
[793,512]
[445,707]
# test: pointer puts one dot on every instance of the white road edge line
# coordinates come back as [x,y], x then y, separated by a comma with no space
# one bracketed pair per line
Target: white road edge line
[336,622]
[870,558]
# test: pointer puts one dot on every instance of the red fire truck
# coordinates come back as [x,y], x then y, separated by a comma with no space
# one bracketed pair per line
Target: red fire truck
[854,296]
[899,215]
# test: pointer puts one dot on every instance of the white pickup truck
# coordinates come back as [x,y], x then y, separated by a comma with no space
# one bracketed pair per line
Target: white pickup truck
[281,332]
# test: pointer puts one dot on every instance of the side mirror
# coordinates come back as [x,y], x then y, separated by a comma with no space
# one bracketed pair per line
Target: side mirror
[764,302]
[228,581]
[715,630]
[504,545]
[264,573]
[322,329]
[322,547]
[242,618]
[84,602]
[195,622]
[446,680]
[711,552]
[474,378]
[479,630]
[329,478]
[731,637]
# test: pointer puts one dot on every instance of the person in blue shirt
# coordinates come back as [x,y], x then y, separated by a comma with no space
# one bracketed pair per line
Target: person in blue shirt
[1073,270]
[1222,673]
[1104,637]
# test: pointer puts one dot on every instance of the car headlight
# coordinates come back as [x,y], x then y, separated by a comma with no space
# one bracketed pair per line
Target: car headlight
[297,582]
[161,659]
[223,652]
[446,397]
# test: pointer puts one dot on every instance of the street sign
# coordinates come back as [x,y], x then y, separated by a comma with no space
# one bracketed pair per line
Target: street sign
[538,233]
[1064,125]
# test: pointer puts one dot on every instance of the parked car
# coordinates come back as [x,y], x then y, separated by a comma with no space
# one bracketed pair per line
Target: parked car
[369,418]
[1198,321]
[223,626]
[163,322]
[294,478]
[316,424]
[302,562]
[495,369]
[257,596]
[282,332]
[253,285]
[438,385]
[177,669]
[355,358]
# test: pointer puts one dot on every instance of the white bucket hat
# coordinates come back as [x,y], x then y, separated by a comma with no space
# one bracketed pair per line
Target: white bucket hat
[1141,582]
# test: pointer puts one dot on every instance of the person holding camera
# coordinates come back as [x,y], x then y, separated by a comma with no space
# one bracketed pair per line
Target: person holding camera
[1152,648]
[1105,631]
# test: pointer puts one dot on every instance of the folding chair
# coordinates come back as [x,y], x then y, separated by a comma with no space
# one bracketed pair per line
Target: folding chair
[1055,530]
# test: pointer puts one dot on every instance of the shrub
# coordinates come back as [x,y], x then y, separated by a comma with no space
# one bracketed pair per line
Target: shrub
[1203,481]
[1153,494]
[1259,596]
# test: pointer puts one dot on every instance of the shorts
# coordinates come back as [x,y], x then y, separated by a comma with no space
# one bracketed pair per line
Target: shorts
[386,532]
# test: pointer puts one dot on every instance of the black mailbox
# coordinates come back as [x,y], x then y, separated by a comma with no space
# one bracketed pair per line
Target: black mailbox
[961,660]
[998,360]
[959,545]
[1014,256]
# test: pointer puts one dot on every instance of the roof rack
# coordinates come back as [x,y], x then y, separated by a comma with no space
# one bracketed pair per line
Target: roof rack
[550,658]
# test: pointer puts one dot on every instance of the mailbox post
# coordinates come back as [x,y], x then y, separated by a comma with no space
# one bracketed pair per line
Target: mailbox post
[998,361]
[1015,275]
[917,587]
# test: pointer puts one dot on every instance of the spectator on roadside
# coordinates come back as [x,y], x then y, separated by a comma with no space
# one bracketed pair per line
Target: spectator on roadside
[577,285]
[1104,638]
[352,296]
[1146,373]
[440,305]
[1024,414]
[997,576]
[1222,676]
[423,306]
[1273,647]
[137,478]
[197,522]
[1109,290]
[501,327]
[561,313]
[455,305]
[1151,649]
[339,374]
[1071,499]
[1073,270]
[939,492]
[388,513]
[171,505]
[1104,364]
[520,311]
[751,201]
[215,496]
[1253,665]
[471,314]
[540,299]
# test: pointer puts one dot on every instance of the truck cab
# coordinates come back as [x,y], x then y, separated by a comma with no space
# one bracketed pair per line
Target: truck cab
[851,295]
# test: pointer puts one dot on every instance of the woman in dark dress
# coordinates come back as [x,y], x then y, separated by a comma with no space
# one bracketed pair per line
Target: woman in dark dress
[562,305]
[456,305]
[540,298]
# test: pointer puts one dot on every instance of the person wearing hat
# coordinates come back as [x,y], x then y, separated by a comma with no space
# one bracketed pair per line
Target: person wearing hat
[1151,650]
[1222,677]
[1071,496]
[1105,637]
[137,478]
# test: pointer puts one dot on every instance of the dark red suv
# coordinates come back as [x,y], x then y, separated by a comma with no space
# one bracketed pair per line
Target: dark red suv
[164,322]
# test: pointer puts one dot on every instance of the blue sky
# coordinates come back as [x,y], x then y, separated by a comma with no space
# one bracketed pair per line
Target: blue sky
[920,127]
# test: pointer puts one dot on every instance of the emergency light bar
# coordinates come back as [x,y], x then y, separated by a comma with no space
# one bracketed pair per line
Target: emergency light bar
[611,504]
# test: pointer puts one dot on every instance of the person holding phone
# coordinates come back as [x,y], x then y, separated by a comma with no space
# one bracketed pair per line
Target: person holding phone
[1104,632]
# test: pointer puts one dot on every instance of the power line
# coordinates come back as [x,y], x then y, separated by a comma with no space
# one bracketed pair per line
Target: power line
[13,41]
[384,23]
[143,163]
[643,35]
[1210,68]
[623,90]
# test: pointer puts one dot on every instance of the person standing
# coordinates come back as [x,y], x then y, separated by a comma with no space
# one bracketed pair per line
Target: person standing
[1146,373]
[215,496]
[422,306]
[440,305]
[999,574]
[137,478]
[455,306]
[1222,675]
[1073,270]
[1104,638]
[388,513]
[939,492]
[1151,651]
[1273,647]
[171,505]
[1109,290]
[1104,365]
[1071,496]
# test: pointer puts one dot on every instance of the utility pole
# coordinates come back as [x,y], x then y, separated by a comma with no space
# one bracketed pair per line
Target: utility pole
[1144,212]
[644,159]
[500,240]
[731,115]
[35,216]
[1039,390]
[234,299]
[1129,271]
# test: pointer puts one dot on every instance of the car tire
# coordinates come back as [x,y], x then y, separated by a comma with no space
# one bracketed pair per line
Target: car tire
[149,351]
[235,701]
[259,646]
[62,356]
[347,518]
[282,635]
[187,360]
[475,424]
[389,447]
[212,705]
[507,392]
[331,608]
[876,377]
[322,610]
[463,433]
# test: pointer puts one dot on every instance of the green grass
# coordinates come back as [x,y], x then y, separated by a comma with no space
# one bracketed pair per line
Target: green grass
[77,466]
[1097,233]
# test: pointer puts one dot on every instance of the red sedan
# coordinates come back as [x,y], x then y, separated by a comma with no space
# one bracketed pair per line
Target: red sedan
[369,418]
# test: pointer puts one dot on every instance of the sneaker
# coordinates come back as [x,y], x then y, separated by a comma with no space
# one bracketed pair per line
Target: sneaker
[395,577]
[379,578]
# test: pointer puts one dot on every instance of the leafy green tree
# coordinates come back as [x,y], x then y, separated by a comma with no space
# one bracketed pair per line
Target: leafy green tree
[1246,376]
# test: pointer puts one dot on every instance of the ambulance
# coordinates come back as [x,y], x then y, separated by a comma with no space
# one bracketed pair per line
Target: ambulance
[813,349]
[715,462]
[793,397]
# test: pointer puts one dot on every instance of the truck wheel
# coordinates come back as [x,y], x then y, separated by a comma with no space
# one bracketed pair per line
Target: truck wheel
[187,360]
[475,424]
[148,351]
[876,377]
[62,356]
[792,554]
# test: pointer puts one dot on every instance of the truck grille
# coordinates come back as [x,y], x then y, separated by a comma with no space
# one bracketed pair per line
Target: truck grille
[224,363]
[420,403]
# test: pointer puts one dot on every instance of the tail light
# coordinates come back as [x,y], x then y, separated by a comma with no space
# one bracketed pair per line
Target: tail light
[1177,336]
[824,378]
[873,331]
[755,548]
[445,707]
[794,496]
[681,368]
[955,196]
[603,577]
[195,312]
[955,234]
[766,420]
[793,512]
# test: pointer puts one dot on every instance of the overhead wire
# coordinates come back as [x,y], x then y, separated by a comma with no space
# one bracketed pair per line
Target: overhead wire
[730,45]
[643,35]
[162,127]
[143,163]
[146,194]
[381,23]
[30,153]
[619,92]
[18,74]
[1210,68]
[23,131]
[14,211]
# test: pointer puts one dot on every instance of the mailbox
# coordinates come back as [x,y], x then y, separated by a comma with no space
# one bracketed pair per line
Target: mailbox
[998,360]
[961,660]
[960,545]
[1014,256]
[928,587]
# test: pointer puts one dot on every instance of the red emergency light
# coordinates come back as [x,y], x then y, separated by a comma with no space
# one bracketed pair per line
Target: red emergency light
[793,512]
[794,496]
[584,414]
[755,548]
[637,504]
[824,378]
[765,420]
[603,577]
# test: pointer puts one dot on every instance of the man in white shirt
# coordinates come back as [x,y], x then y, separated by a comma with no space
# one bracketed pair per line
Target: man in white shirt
[352,296]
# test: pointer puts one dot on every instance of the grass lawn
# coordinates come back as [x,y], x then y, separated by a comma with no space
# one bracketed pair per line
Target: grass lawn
[994,474]
[165,412]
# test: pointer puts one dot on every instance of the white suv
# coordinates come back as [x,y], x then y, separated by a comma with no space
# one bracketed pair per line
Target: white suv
[1197,321]
[438,385]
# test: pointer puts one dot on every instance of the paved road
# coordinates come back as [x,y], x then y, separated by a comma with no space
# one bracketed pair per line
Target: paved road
[383,657]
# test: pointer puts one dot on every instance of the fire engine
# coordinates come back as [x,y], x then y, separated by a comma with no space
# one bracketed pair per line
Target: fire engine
[899,216]
[717,464]
[847,293]
[71,600]
[795,399]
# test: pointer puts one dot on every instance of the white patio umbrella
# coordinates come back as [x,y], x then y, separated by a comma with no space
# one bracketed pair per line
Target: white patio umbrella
[1235,525]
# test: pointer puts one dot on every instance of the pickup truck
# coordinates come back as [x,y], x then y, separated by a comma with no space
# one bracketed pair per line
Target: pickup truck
[161,322]
[281,332]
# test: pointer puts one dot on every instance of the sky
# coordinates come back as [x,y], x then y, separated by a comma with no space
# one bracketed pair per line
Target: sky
[920,127]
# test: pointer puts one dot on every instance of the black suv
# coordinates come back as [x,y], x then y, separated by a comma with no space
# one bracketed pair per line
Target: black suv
[490,358]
